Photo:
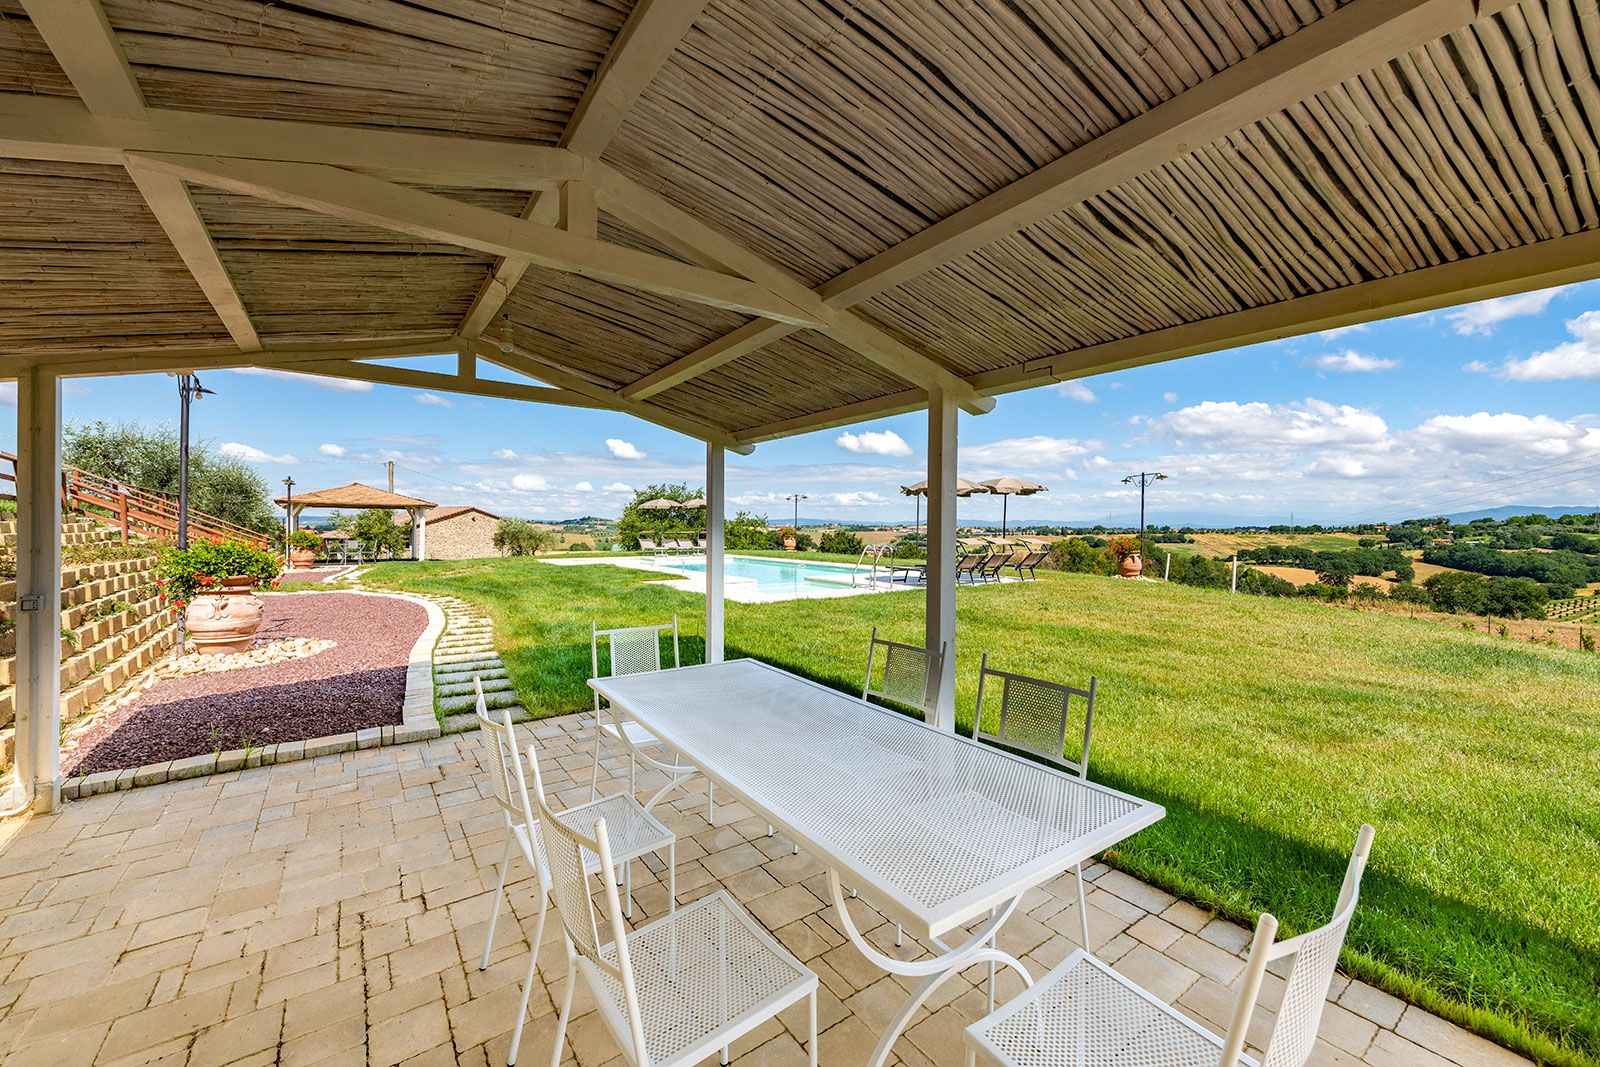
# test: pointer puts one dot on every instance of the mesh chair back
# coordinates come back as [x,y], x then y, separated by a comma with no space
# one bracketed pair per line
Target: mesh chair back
[909,674]
[565,850]
[632,650]
[502,763]
[1294,1029]
[1035,716]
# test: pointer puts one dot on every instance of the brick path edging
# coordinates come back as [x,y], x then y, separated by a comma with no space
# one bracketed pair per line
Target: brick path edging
[418,722]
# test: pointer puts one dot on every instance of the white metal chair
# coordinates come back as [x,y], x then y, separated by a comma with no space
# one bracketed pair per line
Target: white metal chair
[676,989]
[1034,716]
[639,834]
[1083,1012]
[910,676]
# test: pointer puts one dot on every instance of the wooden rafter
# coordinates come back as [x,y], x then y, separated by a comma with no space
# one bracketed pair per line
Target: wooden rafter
[345,194]
[1358,36]
[1560,261]
[142,361]
[682,232]
[644,43]
[62,130]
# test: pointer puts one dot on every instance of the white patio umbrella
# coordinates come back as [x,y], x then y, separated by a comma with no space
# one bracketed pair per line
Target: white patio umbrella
[1008,487]
[661,503]
[920,490]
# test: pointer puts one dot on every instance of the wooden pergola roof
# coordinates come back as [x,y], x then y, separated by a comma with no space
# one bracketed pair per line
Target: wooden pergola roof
[749,218]
[354,495]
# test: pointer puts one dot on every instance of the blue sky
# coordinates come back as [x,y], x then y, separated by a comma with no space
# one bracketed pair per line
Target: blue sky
[1491,403]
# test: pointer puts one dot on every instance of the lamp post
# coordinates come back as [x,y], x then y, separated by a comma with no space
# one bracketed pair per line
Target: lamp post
[797,497]
[1143,479]
[288,516]
[189,390]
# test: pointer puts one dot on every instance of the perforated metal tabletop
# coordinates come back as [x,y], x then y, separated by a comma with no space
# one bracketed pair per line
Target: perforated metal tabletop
[934,828]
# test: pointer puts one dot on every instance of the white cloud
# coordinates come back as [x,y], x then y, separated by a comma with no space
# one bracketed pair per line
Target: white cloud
[530,483]
[1170,397]
[1352,362]
[583,487]
[251,454]
[1036,453]
[618,487]
[874,443]
[505,453]
[338,385]
[1340,331]
[1481,318]
[1310,422]
[1485,433]
[435,400]
[336,451]
[1077,391]
[1477,366]
[1578,359]
[864,498]
[623,450]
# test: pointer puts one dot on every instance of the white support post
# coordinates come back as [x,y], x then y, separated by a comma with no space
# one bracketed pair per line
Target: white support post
[419,534]
[38,755]
[941,605]
[716,511]
[1235,588]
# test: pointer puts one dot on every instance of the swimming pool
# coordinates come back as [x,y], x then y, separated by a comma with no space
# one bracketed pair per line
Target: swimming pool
[778,579]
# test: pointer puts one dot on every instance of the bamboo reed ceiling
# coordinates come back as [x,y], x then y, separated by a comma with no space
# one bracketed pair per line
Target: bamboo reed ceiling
[815,136]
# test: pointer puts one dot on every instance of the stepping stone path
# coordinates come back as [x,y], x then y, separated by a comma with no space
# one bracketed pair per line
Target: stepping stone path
[465,651]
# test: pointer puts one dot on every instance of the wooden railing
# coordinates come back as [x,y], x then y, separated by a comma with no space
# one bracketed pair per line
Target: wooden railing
[130,508]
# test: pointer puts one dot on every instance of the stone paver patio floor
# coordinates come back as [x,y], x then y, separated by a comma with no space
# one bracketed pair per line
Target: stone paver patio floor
[332,911]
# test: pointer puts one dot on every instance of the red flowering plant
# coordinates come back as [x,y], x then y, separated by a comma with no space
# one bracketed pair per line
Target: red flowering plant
[305,539]
[1124,546]
[184,573]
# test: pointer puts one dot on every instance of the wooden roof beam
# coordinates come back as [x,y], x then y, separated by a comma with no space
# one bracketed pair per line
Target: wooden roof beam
[644,43]
[155,360]
[63,130]
[1558,261]
[682,232]
[345,194]
[1357,37]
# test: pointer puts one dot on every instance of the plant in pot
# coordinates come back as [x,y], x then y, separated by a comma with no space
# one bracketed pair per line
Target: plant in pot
[303,545]
[786,538]
[213,583]
[1128,552]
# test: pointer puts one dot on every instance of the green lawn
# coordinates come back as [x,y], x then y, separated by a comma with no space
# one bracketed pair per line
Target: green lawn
[1269,728]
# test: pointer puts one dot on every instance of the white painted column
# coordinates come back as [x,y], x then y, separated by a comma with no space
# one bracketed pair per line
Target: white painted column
[38,758]
[716,512]
[420,525]
[941,604]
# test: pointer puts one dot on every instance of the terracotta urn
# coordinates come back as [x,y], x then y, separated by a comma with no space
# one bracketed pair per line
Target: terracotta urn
[302,559]
[1130,566]
[788,544]
[224,620]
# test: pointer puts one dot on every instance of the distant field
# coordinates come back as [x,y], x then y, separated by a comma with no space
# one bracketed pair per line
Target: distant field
[1302,575]
[1226,544]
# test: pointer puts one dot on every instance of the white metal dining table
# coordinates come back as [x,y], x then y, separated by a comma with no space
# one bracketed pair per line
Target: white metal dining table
[938,832]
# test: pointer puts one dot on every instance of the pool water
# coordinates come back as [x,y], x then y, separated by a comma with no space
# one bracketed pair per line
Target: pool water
[778,579]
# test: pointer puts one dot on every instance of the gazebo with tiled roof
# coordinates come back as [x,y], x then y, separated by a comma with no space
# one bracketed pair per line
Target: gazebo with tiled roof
[362,497]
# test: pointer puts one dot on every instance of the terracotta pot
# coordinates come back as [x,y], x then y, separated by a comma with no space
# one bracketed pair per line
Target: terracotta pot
[302,559]
[224,620]
[788,544]
[1131,566]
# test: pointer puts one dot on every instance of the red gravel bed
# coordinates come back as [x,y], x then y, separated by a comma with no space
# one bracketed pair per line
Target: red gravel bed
[316,574]
[359,683]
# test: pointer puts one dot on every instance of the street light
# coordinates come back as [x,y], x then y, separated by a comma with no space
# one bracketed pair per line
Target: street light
[797,497]
[189,390]
[288,515]
[1143,479]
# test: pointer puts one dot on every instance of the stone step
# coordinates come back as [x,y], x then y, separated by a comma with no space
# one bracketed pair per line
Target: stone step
[498,699]
[492,674]
[452,689]
[462,721]
[482,651]
[459,659]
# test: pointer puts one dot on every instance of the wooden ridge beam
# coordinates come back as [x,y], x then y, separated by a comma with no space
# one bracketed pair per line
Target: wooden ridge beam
[471,385]
[62,130]
[682,232]
[345,194]
[644,43]
[1354,39]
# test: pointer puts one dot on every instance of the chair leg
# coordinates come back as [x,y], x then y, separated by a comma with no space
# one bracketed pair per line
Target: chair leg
[527,981]
[494,913]
[566,1009]
[899,936]
[711,802]
[813,1045]
[672,877]
[1083,913]
[627,887]
[594,776]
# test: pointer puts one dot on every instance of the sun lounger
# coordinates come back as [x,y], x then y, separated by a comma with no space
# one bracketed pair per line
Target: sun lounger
[1029,562]
[990,570]
[649,545]
[970,565]
[916,571]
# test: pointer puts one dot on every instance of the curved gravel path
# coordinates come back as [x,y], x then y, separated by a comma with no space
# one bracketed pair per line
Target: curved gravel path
[359,683]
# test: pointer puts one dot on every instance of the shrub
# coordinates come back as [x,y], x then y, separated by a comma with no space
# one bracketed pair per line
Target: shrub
[305,539]
[580,546]
[1076,554]
[1457,592]
[376,530]
[519,537]
[183,572]
[1515,598]
[745,532]
[1336,572]
[1406,593]
[843,542]
[1259,583]
[1318,591]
